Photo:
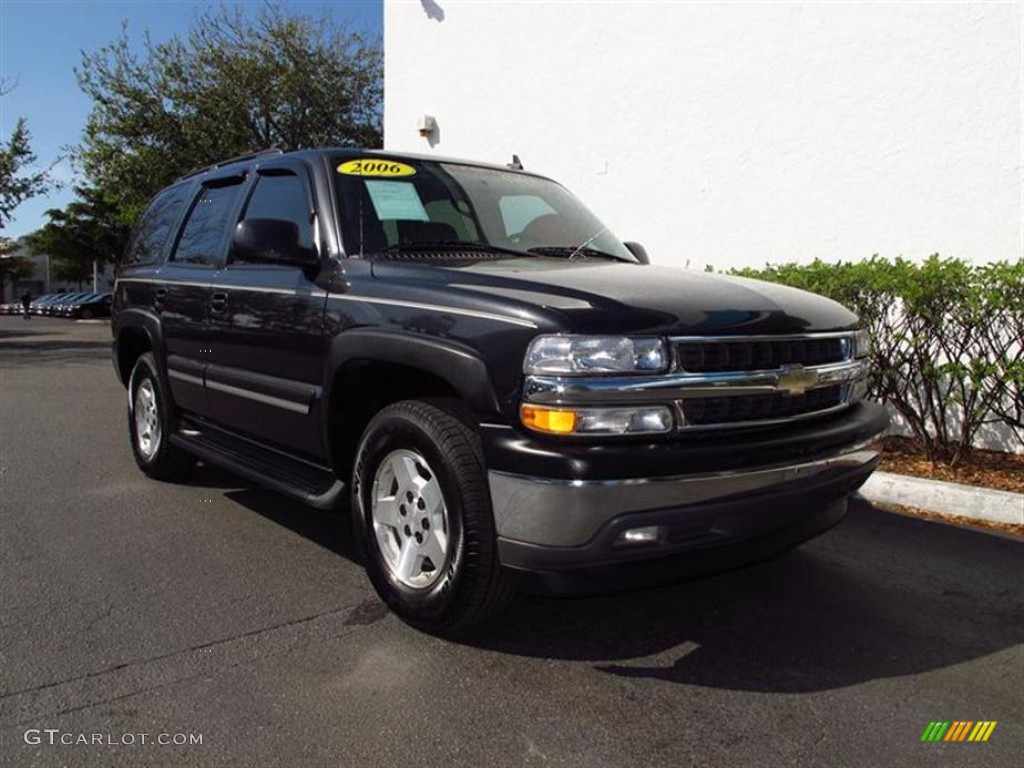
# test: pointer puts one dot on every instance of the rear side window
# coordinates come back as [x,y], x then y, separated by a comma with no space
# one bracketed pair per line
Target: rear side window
[154,228]
[202,238]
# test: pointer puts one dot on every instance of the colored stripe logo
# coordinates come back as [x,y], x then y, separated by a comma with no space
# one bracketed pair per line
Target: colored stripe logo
[959,730]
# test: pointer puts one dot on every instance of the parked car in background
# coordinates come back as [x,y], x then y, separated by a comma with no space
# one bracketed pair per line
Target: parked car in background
[63,307]
[56,307]
[82,305]
[60,307]
[15,308]
[38,306]
[89,306]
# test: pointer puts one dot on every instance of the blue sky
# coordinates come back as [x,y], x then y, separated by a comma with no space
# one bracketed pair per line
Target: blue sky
[41,43]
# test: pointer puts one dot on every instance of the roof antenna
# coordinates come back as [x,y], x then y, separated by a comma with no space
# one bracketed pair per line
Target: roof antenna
[516,163]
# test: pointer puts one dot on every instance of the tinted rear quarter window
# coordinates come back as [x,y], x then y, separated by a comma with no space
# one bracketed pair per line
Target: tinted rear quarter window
[154,227]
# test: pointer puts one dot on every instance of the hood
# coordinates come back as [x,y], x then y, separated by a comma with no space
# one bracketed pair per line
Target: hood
[591,296]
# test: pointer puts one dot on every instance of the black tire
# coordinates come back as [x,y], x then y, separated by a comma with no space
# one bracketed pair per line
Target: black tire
[470,586]
[163,461]
[86,314]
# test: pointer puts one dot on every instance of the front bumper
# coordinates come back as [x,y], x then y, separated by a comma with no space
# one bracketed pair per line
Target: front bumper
[668,564]
[562,533]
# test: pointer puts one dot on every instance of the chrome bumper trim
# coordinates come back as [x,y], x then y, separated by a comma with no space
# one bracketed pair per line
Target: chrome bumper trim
[847,401]
[566,513]
[568,390]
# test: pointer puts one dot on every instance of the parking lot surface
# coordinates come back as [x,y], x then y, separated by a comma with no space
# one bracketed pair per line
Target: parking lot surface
[217,609]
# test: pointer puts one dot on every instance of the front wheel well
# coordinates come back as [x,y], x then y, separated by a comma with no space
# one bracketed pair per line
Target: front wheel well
[360,390]
[131,345]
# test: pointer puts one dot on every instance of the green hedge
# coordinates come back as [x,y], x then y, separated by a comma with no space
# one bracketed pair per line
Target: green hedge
[948,340]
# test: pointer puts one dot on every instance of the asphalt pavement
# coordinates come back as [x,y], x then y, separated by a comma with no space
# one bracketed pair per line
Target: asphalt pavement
[217,610]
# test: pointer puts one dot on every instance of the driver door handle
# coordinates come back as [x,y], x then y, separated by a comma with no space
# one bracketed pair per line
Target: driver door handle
[219,302]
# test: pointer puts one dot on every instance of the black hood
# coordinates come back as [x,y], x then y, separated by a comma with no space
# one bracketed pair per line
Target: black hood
[590,296]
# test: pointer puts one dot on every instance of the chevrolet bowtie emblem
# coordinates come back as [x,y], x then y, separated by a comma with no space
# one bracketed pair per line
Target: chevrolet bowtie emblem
[795,379]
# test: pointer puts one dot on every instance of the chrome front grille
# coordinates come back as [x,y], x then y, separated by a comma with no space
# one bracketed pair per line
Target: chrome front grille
[728,382]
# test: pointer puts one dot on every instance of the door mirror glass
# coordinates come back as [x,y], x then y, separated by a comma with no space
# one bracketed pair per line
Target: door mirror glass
[271,241]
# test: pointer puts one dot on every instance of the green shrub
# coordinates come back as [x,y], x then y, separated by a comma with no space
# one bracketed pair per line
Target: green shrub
[948,340]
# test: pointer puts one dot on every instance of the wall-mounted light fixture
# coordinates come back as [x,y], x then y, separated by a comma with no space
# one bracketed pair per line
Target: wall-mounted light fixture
[427,126]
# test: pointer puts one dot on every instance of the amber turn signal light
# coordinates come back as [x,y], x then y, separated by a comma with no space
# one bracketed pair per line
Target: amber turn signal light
[552,420]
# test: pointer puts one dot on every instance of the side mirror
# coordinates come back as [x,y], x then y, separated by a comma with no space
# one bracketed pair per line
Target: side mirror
[639,252]
[271,241]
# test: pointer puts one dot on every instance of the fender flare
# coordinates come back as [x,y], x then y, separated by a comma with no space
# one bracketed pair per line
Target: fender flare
[451,361]
[149,324]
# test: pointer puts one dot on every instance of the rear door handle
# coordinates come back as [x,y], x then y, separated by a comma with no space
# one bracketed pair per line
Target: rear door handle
[218,302]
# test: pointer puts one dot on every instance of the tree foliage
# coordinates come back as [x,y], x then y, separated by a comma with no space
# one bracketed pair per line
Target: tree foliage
[17,182]
[14,266]
[232,85]
[947,340]
[87,229]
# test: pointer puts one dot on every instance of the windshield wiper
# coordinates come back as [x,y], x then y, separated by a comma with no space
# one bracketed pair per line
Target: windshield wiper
[468,245]
[576,250]
[573,250]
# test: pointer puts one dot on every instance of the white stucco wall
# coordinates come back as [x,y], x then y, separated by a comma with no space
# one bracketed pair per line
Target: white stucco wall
[735,134]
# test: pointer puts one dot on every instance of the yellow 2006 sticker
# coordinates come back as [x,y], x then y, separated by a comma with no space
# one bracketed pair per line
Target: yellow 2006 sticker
[373,167]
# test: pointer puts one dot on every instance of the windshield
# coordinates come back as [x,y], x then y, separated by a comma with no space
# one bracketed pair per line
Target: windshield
[393,204]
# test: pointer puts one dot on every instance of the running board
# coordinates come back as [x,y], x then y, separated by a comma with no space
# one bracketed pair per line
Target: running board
[311,484]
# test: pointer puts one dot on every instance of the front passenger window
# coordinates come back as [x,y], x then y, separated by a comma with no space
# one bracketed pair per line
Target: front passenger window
[282,197]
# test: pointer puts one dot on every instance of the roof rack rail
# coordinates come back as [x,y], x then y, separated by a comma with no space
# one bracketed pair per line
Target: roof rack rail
[229,161]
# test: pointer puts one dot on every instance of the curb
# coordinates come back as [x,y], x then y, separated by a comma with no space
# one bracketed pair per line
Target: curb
[946,498]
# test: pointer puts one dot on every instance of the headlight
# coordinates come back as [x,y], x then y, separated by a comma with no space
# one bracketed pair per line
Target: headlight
[645,420]
[575,355]
[861,344]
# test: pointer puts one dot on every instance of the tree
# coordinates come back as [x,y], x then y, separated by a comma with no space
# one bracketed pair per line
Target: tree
[87,230]
[232,85]
[16,183]
[13,266]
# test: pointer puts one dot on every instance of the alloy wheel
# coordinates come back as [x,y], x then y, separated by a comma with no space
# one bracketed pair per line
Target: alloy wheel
[410,519]
[147,419]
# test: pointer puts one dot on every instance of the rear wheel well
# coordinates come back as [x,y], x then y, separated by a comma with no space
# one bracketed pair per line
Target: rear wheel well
[131,344]
[361,389]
